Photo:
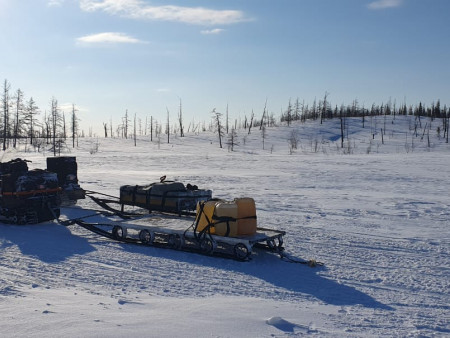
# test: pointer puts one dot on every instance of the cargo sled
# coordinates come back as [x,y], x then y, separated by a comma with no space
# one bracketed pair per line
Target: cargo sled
[177,233]
[218,227]
[164,196]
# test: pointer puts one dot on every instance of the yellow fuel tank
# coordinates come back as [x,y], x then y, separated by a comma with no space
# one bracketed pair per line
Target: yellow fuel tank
[246,216]
[205,217]
[226,210]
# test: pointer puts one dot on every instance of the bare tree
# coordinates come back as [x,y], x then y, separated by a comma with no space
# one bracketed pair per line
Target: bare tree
[447,124]
[134,129]
[74,125]
[151,128]
[251,122]
[289,113]
[46,130]
[263,135]
[180,120]
[217,119]
[293,141]
[5,106]
[30,120]
[232,139]
[324,108]
[314,110]
[168,126]
[145,126]
[363,116]
[261,125]
[296,114]
[55,124]
[125,124]
[19,112]
[64,126]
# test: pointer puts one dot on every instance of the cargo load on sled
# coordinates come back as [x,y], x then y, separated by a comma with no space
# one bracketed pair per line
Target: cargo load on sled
[164,196]
[66,169]
[227,218]
[27,196]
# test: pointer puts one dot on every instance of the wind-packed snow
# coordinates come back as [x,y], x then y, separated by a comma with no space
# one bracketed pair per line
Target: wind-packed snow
[377,215]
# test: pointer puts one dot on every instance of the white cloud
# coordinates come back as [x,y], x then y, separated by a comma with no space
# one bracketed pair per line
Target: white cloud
[138,9]
[107,38]
[212,31]
[55,3]
[381,4]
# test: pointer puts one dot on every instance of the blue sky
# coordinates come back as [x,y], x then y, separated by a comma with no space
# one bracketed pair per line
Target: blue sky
[107,56]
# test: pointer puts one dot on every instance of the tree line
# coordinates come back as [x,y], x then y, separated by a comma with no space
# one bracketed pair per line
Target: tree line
[21,119]
[322,109]
[295,111]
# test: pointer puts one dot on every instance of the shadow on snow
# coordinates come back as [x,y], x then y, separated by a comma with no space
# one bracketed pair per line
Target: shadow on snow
[285,277]
[49,242]
[53,243]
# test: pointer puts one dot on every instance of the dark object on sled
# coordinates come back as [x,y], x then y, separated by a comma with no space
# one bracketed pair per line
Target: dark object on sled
[27,196]
[14,167]
[166,196]
[66,169]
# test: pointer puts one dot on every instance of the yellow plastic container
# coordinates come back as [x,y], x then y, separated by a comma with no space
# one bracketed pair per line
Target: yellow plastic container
[225,210]
[206,216]
[246,214]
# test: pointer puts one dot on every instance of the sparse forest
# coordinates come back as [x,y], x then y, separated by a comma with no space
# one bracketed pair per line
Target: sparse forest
[22,121]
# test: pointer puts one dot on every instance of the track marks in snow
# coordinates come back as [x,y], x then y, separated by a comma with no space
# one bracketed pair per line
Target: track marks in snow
[408,273]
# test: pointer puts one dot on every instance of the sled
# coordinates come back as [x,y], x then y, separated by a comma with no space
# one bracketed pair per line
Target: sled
[162,230]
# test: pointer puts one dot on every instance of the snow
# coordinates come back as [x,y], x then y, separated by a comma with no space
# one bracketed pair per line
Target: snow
[376,214]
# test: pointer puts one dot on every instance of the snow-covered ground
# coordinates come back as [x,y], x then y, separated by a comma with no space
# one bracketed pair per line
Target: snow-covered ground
[377,215]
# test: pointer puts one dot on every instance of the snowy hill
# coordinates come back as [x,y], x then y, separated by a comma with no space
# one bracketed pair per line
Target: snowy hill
[374,209]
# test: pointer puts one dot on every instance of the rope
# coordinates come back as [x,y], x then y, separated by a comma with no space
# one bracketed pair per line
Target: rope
[312,263]
[88,192]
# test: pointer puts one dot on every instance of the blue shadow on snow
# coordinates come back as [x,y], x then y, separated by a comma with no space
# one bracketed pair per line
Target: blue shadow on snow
[286,277]
[49,242]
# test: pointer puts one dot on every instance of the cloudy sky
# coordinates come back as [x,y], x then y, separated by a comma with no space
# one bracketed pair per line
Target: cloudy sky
[144,56]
